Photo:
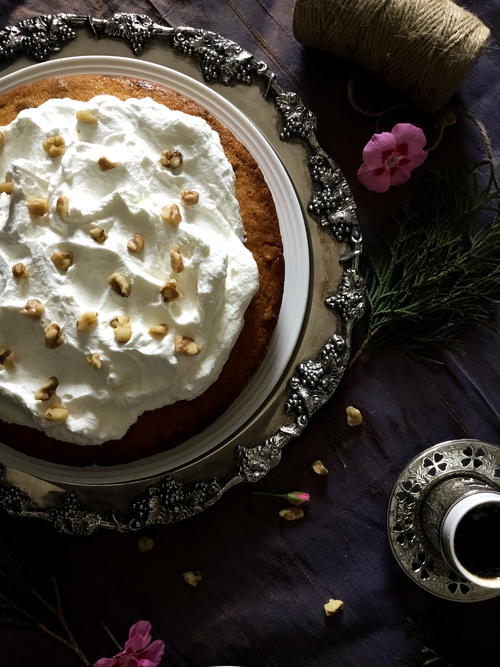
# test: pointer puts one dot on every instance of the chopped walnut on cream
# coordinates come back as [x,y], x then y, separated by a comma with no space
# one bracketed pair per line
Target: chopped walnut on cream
[120,284]
[292,513]
[54,146]
[192,577]
[98,234]
[186,345]
[86,116]
[158,330]
[56,414]
[105,164]
[94,360]
[136,244]
[33,308]
[62,260]
[171,159]
[122,327]
[20,271]
[38,207]
[7,187]
[171,214]
[6,356]
[319,468]
[169,291]
[87,321]
[53,335]
[62,207]
[176,259]
[190,197]
[48,389]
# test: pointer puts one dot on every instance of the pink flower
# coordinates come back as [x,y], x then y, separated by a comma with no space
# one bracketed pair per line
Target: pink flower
[390,157]
[297,497]
[139,651]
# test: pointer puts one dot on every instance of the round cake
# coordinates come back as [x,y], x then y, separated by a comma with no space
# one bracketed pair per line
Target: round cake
[141,268]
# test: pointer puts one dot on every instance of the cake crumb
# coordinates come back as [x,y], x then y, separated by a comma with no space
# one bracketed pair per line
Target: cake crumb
[145,543]
[353,416]
[332,607]
[20,271]
[105,164]
[292,513]
[192,577]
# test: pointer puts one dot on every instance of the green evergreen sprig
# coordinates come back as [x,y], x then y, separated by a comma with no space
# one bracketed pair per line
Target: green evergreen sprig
[441,272]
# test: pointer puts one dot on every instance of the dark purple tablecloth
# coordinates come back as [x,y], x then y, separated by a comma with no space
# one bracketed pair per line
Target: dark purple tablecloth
[264,580]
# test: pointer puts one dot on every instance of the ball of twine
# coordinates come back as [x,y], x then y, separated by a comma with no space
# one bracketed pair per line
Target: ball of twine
[422,47]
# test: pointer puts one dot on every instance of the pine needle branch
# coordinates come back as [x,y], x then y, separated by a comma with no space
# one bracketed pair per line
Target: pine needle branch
[440,274]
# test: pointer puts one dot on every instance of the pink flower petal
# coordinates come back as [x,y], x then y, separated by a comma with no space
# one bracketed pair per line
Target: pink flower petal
[400,176]
[416,160]
[152,653]
[378,145]
[139,636]
[375,179]
[411,135]
[106,662]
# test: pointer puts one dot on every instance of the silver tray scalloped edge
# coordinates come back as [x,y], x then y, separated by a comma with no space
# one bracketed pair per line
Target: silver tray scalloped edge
[314,380]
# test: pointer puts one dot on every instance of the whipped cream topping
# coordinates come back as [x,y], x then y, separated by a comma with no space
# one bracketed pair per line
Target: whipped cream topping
[217,283]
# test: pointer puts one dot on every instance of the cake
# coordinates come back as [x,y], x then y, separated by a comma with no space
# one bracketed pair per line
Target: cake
[141,263]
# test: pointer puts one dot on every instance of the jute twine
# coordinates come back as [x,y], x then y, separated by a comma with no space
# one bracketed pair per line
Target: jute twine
[422,47]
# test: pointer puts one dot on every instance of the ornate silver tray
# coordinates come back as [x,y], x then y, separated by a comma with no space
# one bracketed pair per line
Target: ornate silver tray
[336,299]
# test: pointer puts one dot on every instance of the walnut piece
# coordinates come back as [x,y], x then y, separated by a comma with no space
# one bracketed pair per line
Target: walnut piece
[53,335]
[47,390]
[192,577]
[158,330]
[38,207]
[94,360]
[86,321]
[98,234]
[86,116]
[54,146]
[122,327]
[176,259]
[136,243]
[62,260]
[20,271]
[171,159]
[145,543]
[105,164]
[6,356]
[333,606]
[190,197]
[353,416]
[186,345]
[292,513]
[7,186]
[319,468]
[62,207]
[56,414]
[169,291]
[171,214]
[33,308]
[120,284]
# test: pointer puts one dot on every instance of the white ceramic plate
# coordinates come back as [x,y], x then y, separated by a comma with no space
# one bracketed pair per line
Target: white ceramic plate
[297,272]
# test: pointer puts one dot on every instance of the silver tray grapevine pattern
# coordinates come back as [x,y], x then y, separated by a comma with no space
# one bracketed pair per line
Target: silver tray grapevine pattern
[315,378]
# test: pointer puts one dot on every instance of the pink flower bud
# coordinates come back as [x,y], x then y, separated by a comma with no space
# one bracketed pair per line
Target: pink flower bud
[298,497]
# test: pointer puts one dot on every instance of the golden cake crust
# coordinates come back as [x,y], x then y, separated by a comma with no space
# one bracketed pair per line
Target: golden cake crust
[168,426]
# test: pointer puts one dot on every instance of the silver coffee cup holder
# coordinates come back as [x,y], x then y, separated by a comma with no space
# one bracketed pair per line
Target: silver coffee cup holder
[432,483]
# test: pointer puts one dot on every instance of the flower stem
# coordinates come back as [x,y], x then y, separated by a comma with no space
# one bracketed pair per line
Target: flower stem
[58,612]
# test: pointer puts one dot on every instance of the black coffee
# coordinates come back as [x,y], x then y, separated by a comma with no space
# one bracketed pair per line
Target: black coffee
[477,541]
